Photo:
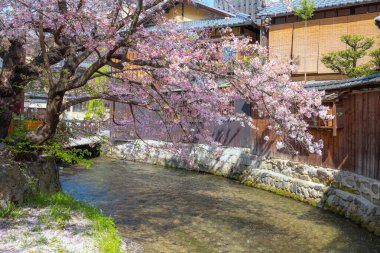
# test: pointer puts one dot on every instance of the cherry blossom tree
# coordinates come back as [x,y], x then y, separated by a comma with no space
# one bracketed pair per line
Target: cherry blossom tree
[178,75]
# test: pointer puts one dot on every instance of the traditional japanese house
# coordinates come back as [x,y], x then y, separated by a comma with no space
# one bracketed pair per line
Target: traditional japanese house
[332,19]
[351,140]
[202,16]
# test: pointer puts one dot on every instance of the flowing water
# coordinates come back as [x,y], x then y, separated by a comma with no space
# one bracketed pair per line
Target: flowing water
[167,210]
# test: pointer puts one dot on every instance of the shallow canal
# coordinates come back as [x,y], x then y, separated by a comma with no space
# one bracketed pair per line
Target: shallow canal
[167,210]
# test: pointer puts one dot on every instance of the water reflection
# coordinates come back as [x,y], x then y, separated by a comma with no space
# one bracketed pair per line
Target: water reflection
[169,210]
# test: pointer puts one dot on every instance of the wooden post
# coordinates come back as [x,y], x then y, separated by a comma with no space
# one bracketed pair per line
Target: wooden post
[264,36]
[335,120]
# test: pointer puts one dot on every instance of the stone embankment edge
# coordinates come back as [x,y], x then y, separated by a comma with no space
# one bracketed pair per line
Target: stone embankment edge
[347,194]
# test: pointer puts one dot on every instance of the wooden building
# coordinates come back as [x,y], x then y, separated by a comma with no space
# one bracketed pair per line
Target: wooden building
[351,140]
[201,16]
[331,20]
[250,7]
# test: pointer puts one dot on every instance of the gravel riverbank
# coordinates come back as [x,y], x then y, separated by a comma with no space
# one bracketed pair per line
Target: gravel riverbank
[59,223]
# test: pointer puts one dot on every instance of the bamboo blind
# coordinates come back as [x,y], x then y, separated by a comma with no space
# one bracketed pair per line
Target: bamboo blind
[306,48]
[280,40]
[364,25]
[330,31]
[134,70]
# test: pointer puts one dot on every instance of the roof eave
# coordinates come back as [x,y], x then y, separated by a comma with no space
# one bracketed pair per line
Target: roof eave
[284,14]
[362,82]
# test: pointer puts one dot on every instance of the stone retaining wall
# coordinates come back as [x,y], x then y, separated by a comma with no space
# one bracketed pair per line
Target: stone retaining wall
[19,179]
[348,194]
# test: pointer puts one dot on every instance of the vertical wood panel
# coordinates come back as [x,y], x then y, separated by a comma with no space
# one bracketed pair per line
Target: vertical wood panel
[309,49]
[330,31]
[280,41]
[377,140]
[371,135]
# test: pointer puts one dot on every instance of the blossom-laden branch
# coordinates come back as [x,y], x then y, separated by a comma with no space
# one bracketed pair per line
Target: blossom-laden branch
[170,78]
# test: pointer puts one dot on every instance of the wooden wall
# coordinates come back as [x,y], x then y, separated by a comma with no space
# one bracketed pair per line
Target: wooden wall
[356,147]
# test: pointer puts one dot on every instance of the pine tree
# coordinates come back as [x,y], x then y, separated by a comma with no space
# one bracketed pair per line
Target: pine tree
[375,54]
[346,61]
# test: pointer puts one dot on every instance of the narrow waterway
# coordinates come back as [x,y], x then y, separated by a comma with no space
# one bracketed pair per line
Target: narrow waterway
[167,210]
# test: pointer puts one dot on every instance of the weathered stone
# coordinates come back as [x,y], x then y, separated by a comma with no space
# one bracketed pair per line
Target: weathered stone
[376,202]
[364,185]
[322,173]
[305,193]
[375,189]
[17,180]
[349,182]
[300,170]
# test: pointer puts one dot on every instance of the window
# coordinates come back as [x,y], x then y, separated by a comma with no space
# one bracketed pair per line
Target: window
[317,122]
[77,108]
[80,107]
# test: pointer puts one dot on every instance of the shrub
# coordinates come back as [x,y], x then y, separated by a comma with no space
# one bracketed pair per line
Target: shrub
[346,61]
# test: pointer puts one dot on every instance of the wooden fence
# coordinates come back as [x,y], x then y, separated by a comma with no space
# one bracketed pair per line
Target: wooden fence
[356,146]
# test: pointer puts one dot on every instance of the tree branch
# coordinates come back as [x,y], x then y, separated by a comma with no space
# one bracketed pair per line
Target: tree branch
[107,97]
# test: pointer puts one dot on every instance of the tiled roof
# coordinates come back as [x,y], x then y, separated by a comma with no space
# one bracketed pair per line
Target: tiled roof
[280,8]
[344,83]
[238,20]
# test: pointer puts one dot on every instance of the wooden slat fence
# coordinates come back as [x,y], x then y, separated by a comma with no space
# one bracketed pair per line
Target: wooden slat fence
[356,147]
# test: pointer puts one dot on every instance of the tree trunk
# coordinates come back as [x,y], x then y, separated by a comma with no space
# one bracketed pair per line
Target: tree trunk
[13,57]
[6,117]
[305,57]
[48,129]
[7,102]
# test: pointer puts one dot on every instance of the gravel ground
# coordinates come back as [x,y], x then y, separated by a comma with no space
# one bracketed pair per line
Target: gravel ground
[34,230]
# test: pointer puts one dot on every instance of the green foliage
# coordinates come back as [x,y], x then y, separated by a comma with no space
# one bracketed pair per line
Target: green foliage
[306,9]
[375,54]
[20,145]
[346,61]
[359,43]
[72,156]
[11,210]
[61,205]
[60,214]
[95,109]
